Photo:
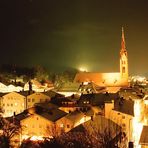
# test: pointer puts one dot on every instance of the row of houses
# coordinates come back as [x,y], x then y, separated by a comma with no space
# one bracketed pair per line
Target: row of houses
[35,86]
[16,102]
[127,108]
[47,120]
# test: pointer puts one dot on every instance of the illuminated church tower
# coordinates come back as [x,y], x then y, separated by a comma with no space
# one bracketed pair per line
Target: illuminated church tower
[123,58]
[112,78]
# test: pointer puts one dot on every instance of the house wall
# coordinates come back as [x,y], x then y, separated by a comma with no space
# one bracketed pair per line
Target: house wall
[36,98]
[65,124]
[36,125]
[123,120]
[12,102]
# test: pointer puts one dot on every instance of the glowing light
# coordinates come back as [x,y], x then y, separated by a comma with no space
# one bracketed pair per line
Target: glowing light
[146,102]
[85,83]
[137,109]
[61,125]
[138,79]
[83,69]
[36,138]
[137,124]
[137,129]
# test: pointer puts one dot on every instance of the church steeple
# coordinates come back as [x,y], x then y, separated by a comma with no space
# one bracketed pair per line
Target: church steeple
[123,48]
[123,58]
[123,40]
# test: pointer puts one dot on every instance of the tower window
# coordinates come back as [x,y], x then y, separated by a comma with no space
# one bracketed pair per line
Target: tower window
[123,69]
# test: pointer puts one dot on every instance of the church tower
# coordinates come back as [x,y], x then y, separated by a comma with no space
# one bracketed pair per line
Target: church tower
[123,58]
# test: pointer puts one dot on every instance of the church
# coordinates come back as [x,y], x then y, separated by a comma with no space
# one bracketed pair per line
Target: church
[118,79]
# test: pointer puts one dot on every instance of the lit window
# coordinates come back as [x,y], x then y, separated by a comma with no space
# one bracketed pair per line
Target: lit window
[61,125]
[15,103]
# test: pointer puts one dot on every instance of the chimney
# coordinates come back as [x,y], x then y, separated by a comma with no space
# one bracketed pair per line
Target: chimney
[14,114]
[30,87]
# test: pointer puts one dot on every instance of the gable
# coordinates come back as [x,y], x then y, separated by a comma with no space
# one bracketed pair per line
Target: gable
[14,95]
[38,95]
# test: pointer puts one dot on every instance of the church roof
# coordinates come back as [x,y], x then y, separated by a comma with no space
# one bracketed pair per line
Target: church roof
[100,79]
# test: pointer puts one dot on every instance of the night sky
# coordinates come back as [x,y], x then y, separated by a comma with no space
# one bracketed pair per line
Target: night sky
[59,34]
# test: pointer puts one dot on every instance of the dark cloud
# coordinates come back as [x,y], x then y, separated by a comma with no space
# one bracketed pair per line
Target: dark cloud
[63,33]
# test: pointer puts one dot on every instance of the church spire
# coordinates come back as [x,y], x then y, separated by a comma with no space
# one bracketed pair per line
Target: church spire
[123,41]
[123,58]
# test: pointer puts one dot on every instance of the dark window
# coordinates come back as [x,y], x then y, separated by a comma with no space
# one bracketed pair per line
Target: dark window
[123,69]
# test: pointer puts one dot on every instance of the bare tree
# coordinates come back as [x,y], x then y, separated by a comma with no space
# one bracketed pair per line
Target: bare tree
[54,131]
[75,140]
[8,131]
[106,137]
